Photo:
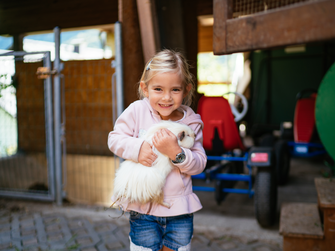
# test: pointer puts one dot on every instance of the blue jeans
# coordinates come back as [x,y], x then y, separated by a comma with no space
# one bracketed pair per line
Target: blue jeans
[153,232]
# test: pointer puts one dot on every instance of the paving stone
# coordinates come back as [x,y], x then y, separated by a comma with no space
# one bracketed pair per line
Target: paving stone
[5,220]
[79,232]
[84,241]
[113,245]
[36,248]
[226,245]
[55,237]
[124,238]
[26,232]
[265,247]
[56,232]
[52,228]
[5,238]
[200,239]
[59,247]
[262,248]
[5,245]
[76,223]
[88,249]
[104,228]
[30,241]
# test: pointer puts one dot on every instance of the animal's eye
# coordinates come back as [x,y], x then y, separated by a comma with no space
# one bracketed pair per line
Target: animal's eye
[181,135]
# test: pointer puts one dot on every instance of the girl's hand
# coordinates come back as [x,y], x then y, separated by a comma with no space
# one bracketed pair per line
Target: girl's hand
[166,143]
[146,156]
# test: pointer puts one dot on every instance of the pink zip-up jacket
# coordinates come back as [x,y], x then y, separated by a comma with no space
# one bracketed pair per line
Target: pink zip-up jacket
[124,141]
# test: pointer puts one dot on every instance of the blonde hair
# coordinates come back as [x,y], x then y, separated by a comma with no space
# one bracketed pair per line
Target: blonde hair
[168,61]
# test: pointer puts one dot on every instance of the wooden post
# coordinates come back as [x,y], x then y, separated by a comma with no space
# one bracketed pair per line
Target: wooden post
[222,11]
[132,49]
[190,21]
[149,29]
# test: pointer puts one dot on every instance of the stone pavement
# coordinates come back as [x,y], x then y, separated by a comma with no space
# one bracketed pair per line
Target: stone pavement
[33,226]
[30,226]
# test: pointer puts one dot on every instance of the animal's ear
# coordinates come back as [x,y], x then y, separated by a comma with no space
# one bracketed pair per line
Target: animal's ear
[181,135]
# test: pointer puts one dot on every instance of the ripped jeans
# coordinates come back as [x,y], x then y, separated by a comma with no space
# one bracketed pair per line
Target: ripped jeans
[150,233]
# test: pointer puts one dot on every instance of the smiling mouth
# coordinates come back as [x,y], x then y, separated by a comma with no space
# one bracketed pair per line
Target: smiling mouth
[164,105]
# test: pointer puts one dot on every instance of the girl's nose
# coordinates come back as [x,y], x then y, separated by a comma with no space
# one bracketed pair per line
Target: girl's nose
[167,96]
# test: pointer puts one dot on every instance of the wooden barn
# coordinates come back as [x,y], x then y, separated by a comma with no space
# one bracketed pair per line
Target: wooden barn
[285,46]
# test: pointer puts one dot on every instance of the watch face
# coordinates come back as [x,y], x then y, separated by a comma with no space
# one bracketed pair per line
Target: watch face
[180,157]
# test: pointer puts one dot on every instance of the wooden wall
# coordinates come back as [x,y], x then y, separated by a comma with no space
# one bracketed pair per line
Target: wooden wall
[88,107]
[205,38]
[30,108]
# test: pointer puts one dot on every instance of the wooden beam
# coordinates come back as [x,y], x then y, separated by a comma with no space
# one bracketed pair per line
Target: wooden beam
[132,49]
[204,7]
[302,23]
[20,16]
[222,11]
[148,26]
[190,22]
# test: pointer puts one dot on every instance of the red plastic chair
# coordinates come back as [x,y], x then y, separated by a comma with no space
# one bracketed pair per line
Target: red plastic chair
[216,113]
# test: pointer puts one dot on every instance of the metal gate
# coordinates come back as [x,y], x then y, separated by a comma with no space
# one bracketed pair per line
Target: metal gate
[26,127]
[50,160]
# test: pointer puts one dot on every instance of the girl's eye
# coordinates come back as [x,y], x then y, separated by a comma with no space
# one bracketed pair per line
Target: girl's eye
[176,90]
[157,89]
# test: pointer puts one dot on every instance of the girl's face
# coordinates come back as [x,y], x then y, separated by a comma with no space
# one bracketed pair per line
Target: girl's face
[165,92]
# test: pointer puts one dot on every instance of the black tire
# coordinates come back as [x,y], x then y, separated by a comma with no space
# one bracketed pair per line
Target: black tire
[265,197]
[283,160]
[267,140]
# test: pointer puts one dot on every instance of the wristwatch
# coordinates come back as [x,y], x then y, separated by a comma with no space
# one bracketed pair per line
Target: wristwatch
[180,157]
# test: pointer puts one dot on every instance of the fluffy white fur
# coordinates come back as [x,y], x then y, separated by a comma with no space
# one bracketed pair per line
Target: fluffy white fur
[138,183]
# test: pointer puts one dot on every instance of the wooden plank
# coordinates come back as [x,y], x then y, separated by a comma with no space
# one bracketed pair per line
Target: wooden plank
[204,7]
[300,220]
[148,26]
[303,244]
[205,38]
[326,192]
[301,23]
[222,11]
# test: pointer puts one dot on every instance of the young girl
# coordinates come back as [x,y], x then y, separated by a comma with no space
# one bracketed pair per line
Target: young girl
[166,89]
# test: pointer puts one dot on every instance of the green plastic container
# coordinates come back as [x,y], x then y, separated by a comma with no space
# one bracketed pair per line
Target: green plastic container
[325,111]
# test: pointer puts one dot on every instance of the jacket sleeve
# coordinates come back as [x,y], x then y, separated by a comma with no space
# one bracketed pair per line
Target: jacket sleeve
[196,158]
[122,141]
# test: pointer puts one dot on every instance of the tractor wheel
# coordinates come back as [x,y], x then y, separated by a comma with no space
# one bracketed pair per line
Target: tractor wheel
[282,161]
[267,140]
[265,197]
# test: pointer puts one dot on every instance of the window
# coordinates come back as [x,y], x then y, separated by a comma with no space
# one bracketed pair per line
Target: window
[218,75]
[88,44]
